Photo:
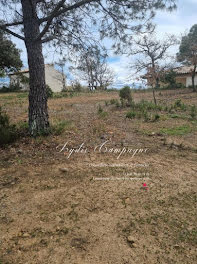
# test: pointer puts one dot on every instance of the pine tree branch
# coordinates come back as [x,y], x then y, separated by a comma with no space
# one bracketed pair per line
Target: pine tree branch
[59,9]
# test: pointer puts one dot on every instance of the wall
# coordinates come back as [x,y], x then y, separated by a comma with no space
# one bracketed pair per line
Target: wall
[189,81]
[181,80]
[53,79]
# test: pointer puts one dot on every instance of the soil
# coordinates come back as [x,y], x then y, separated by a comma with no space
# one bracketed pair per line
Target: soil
[95,208]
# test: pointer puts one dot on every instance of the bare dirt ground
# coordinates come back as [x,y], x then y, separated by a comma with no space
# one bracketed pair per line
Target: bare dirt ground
[92,208]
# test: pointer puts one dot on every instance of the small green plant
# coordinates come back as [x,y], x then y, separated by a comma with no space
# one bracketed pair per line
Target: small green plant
[156,117]
[49,91]
[146,116]
[125,96]
[103,114]
[100,109]
[106,103]
[118,104]
[193,112]
[113,101]
[180,105]
[131,115]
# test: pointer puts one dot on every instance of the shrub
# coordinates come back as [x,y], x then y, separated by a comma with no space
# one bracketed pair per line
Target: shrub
[106,103]
[118,104]
[125,96]
[146,106]
[131,115]
[77,87]
[156,117]
[49,91]
[8,132]
[179,104]
[193,112]
[100,109]
[11,88]
[113,101]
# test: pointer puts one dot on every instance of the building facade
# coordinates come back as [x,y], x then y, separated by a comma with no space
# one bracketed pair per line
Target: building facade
[54,79]
[184,75]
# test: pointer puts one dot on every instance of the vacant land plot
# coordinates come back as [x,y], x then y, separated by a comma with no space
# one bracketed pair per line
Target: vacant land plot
[67,198]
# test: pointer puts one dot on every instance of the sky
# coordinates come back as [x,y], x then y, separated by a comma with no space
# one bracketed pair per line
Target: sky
[178,22]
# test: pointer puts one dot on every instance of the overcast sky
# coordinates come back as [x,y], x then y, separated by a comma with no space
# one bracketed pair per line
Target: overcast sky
[177,22]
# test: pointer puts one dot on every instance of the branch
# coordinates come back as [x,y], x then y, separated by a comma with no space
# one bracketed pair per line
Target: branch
[11,32]
[12,24]
[48,39]
[57,12]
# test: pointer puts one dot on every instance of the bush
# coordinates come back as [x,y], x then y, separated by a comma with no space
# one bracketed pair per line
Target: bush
[193,112]
[180,105]
[8,132]
[100,109]
[113,101]
[11,88]
[146,106]
[131,115]
[77,87]
[49,91]
[125,96]
[156,117]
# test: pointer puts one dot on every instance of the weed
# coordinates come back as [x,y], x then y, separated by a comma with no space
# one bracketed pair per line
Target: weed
[174,116]
[156,117]
[131,115]
[180,105]
[103,114]
[106,103]
[193,112]
[113,101]
[100,109]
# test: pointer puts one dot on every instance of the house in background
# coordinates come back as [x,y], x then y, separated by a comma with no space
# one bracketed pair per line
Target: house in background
[54,79]
[184,75]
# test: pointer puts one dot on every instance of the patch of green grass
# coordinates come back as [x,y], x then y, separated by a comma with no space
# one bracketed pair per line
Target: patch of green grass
[103,114]
[188,236]
[114,101]
[131,114]
[177,131]
[22,95]
[7,97]
[61,126]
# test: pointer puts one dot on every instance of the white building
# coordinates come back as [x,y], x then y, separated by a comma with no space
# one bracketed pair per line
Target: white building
[54,78]
[184,75]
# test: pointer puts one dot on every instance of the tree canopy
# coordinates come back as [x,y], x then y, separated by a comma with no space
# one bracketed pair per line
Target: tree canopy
[188,51]
[9,55]
[73,25]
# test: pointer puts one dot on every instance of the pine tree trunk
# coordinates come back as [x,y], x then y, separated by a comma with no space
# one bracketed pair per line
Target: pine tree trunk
[38,112]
